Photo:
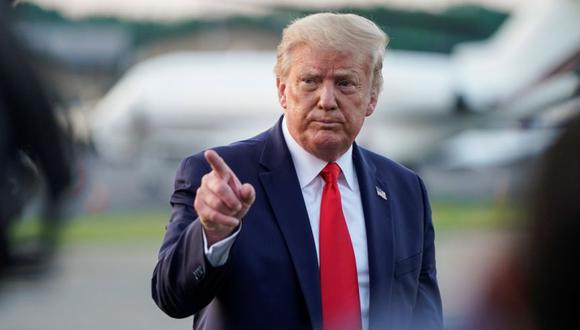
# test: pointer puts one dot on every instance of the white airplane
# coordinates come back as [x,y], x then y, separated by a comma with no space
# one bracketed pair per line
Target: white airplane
[524,80]
[177,104]
[197,100]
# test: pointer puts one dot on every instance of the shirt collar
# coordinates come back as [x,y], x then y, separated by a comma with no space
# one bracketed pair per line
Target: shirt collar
[308,166]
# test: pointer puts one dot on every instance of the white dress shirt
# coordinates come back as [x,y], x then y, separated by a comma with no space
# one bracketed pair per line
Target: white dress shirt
[308,168]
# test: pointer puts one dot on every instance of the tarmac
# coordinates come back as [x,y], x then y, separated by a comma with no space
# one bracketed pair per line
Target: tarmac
[108,287]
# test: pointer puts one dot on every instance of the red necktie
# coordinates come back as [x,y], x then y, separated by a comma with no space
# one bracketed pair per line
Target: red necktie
[338,275]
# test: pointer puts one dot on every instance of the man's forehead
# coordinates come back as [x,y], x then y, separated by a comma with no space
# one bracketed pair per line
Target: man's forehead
[316,59]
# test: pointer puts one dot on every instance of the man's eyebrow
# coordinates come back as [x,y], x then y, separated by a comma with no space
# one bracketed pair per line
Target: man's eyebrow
[346,75]
[309,73]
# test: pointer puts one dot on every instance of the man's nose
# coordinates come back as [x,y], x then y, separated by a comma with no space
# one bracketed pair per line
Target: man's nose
[327,100]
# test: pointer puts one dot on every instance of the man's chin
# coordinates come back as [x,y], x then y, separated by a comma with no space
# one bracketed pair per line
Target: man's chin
[329,148]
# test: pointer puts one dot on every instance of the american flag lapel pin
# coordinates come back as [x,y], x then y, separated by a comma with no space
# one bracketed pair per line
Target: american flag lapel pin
[381,193]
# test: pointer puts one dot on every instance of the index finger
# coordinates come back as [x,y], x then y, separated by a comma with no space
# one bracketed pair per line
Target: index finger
[223,170]
[217,164]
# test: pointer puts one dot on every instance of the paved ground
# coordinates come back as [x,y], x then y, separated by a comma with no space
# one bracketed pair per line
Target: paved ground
[108,288]
[91,288]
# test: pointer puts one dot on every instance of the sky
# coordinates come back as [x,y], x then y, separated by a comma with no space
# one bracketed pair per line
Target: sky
[169,10]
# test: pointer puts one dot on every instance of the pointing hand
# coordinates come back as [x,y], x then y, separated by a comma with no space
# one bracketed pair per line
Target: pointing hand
[221,201]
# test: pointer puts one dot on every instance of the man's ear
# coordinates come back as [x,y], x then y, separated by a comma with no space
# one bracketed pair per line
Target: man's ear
[281,86]
[373,102]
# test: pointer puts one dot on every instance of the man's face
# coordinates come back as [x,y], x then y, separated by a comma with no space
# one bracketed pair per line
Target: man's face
[326,96]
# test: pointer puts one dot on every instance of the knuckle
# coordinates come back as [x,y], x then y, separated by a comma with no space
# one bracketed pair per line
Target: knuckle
[198,192]
[212,214]
[203,215]
[214,203]
[222,189]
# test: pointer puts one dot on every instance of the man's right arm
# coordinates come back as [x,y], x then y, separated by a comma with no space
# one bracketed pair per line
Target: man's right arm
[208,205]
[183,281]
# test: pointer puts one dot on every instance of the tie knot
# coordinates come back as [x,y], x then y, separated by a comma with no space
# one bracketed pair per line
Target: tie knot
[330,172]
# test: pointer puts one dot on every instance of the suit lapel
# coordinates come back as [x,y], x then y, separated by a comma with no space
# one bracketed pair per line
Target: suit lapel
[380,240]
[281,185]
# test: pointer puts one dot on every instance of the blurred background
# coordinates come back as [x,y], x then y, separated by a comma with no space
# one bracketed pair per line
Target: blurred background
[475,91]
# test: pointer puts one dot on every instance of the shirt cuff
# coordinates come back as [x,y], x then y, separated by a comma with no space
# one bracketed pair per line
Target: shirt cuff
[218,253]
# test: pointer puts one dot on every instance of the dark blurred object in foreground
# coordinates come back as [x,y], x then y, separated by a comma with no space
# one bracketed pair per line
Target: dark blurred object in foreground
[552,261]
[537,286]
[33,151]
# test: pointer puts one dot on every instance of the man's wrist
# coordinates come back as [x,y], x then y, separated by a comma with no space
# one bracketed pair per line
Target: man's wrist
[213,237]
[218,253]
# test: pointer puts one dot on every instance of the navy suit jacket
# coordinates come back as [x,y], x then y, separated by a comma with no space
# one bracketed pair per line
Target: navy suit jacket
[271,279]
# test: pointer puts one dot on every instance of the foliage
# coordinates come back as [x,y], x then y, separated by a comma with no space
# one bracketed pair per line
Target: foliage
[409,30]
[142,227]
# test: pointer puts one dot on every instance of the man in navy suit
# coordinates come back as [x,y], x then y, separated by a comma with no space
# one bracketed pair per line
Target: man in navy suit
[322,234]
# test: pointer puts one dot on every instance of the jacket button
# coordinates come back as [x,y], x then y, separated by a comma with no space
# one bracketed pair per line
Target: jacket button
[198,273]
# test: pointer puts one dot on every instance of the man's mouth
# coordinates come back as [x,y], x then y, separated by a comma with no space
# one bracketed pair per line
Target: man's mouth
[327,124]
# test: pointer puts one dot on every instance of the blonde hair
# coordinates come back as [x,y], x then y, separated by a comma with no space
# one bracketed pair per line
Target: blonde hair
[340,32]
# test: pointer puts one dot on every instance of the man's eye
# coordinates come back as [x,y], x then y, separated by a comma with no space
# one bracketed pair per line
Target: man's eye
[309,83]
[345,83]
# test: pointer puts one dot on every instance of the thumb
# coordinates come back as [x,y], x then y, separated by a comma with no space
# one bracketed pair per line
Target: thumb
[247,194]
